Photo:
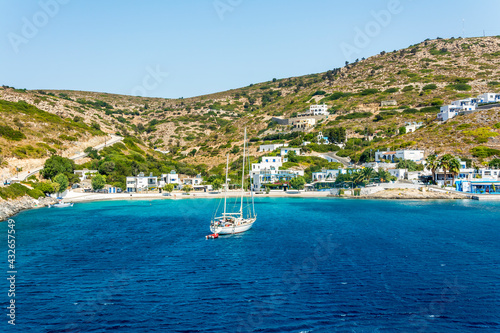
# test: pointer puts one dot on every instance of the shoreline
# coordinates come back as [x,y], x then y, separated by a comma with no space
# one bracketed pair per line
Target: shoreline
[9,208]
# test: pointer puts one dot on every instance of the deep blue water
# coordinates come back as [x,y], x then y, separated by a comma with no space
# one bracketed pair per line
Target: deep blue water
[308,265]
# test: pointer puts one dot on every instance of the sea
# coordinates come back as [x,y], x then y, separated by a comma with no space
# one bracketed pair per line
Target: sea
[307,265]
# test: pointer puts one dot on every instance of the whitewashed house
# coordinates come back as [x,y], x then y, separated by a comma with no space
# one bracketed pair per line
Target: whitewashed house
[285,151]
[398,173]
[141,183]
[192,181]
[319,110]
[267,163]
[271,147]
[169,178]
[489,98]
[404,154]
[412,127]
[325,175]
[268,172]
[85,174]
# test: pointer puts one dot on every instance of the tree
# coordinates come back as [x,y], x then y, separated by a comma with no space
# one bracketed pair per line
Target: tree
[92,153]
[407,164]
[62,180]
[298,182]
[56,165]
[235,150]
[455,167]
[368,173]
[98,182]
[217,184]
[402,130]
[292,157]
[336,134]
[46,187]
[193,152]
[169,188]
[432,164]
[445,164]
[107,168]
[494,163]
[187,188]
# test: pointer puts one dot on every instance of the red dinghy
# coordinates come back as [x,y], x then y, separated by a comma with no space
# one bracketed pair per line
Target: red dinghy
[212,236]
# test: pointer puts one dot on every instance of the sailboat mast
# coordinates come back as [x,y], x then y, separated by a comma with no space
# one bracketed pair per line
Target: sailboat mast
[225,190]
[243,173]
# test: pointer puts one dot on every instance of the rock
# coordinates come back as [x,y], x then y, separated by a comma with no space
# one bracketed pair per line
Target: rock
[9,208]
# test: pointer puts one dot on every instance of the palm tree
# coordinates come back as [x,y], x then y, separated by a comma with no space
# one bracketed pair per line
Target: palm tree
[432,163]
[358,177]
[368,173]
[454,167]
[445,163]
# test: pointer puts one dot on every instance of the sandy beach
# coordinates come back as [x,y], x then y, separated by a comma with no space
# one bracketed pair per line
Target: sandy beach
[88,197]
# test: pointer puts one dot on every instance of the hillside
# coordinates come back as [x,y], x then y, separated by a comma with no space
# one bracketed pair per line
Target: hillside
[420,78]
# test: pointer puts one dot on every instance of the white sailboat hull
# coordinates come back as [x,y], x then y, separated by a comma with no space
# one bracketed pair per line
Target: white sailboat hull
[233,229]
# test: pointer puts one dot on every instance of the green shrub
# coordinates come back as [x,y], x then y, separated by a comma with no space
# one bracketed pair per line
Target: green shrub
[355,115]
[429,87]
[367,92]
[484,152]
[13,191]
[460,87]
[463,126]
[392,90]
[67,137]
[9,133]
[35,193]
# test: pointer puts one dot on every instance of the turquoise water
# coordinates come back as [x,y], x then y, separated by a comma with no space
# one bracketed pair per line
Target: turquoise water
[308,265]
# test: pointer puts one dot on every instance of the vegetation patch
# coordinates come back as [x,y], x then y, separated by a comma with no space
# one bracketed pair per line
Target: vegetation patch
[9,133]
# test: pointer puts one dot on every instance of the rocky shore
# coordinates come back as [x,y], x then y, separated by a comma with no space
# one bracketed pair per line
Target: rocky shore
[9,208]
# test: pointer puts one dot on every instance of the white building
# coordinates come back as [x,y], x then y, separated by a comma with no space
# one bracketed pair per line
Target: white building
[271,147]
[467,103]
[319,110]
[412,127]
[398,173]
[273,176]
[322,139]
[303,123]
[412,155]
[169,178]
[85,174]
[450,111]
[268,171]
[192,181]
[284,152]
[268,163]
[489,98]
[141,183]
[326,175]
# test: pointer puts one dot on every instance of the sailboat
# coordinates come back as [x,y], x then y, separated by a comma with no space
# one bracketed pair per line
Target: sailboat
[234,222]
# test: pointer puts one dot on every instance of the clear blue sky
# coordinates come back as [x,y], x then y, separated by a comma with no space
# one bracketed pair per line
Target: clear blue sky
[111,46]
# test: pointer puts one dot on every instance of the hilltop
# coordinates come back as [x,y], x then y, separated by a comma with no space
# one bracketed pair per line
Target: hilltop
[420,78]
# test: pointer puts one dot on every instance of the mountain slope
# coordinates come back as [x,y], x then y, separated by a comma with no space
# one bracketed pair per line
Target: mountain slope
[420,78]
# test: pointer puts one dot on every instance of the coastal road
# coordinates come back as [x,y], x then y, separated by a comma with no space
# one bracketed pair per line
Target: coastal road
[333,156]
[488,106]
[114,139]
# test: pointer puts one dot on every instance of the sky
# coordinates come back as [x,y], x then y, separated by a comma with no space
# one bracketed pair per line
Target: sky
[185,48]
